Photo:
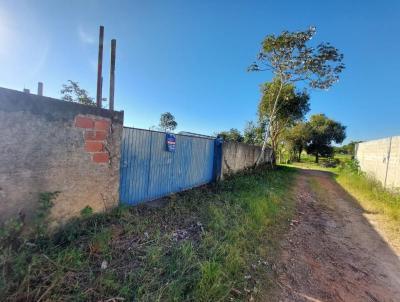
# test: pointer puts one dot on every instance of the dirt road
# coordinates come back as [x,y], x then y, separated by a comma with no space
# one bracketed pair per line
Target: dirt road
[332,252]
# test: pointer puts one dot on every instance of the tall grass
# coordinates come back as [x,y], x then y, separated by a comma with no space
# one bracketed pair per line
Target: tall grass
[370,194]
[207,244]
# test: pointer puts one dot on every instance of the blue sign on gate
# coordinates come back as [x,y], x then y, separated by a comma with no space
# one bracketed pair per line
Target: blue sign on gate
[171,142]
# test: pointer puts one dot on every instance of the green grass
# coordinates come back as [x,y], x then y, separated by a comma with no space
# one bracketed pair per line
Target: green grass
[212,243]
[371,194]
[374,199]
[308,162]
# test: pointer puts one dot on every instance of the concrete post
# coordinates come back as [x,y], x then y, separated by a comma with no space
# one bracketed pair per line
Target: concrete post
[387,161]
[40,89]
[99,68]
[112,73]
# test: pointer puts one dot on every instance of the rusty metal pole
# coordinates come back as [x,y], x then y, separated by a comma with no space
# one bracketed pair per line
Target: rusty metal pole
[99,68]
[112,73]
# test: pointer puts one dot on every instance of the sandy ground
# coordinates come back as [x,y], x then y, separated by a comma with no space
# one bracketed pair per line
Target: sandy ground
[332,251]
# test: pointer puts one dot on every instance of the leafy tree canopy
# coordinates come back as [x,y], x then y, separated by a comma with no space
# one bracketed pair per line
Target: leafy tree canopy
[253,134]
[323,132]
[167,122]
[290,107]
[233,135]
[290,57]
[281,106]
[72,92]
[296,138]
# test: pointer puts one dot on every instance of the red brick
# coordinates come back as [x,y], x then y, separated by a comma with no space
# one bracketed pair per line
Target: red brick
[102,125]
[84,122]
[101,157]
[94,146]
[95,135]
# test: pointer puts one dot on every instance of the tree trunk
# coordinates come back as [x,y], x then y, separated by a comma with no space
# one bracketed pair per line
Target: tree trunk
[264,146]
[273,155]
[316,158]
[269,128]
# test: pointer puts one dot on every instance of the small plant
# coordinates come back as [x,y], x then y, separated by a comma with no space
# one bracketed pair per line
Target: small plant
[19,240]
[86,212]
[10,231]
[40,222]
[351,166]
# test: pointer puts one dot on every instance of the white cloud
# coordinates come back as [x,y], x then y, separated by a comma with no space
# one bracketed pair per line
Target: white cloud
[85,37]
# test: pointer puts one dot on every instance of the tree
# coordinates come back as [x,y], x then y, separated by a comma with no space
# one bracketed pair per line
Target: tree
[347,149]
[324,131]
[233,135]
[72,92]
[290,59]
[296,139]
[252,134]
[292,105]
[167,122]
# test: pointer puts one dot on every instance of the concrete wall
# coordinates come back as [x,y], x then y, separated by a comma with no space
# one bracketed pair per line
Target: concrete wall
[381,160]
[50,145]
[239,156]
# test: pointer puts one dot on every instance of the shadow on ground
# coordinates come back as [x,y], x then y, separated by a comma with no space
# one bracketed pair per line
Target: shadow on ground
[332,251]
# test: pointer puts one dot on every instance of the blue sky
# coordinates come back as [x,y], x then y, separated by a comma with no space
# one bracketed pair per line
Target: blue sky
[190,57]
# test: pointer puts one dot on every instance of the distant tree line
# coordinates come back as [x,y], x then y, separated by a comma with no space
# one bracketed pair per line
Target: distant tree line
[314,136]
[348,149]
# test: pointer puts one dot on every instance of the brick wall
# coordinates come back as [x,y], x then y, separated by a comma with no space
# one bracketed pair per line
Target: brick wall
[95,132]
[52,145]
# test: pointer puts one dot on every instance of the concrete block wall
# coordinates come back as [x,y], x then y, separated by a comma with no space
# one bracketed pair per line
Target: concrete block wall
[239,156]
[381,159]
[50,145]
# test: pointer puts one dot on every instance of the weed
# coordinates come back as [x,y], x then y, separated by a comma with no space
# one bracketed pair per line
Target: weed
[20,246]
[86,212]
[201,246]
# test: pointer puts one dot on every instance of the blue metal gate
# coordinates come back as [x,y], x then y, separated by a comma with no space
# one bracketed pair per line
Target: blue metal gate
[149,171]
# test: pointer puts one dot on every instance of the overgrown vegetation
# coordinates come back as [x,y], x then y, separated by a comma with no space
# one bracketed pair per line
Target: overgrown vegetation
[208,244]
[372,196]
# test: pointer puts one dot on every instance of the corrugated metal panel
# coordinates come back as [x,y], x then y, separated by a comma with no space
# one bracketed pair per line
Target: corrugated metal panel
[148,171]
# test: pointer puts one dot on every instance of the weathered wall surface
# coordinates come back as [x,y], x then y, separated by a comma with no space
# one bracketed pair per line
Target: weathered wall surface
[50,145]
[381,160]
[239,156]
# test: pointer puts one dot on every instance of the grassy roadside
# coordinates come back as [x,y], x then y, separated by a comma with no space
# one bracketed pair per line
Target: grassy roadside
[208,244]
[374,199]
[370,194]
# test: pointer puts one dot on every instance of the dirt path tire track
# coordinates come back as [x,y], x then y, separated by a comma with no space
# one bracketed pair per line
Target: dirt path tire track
[332,252]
